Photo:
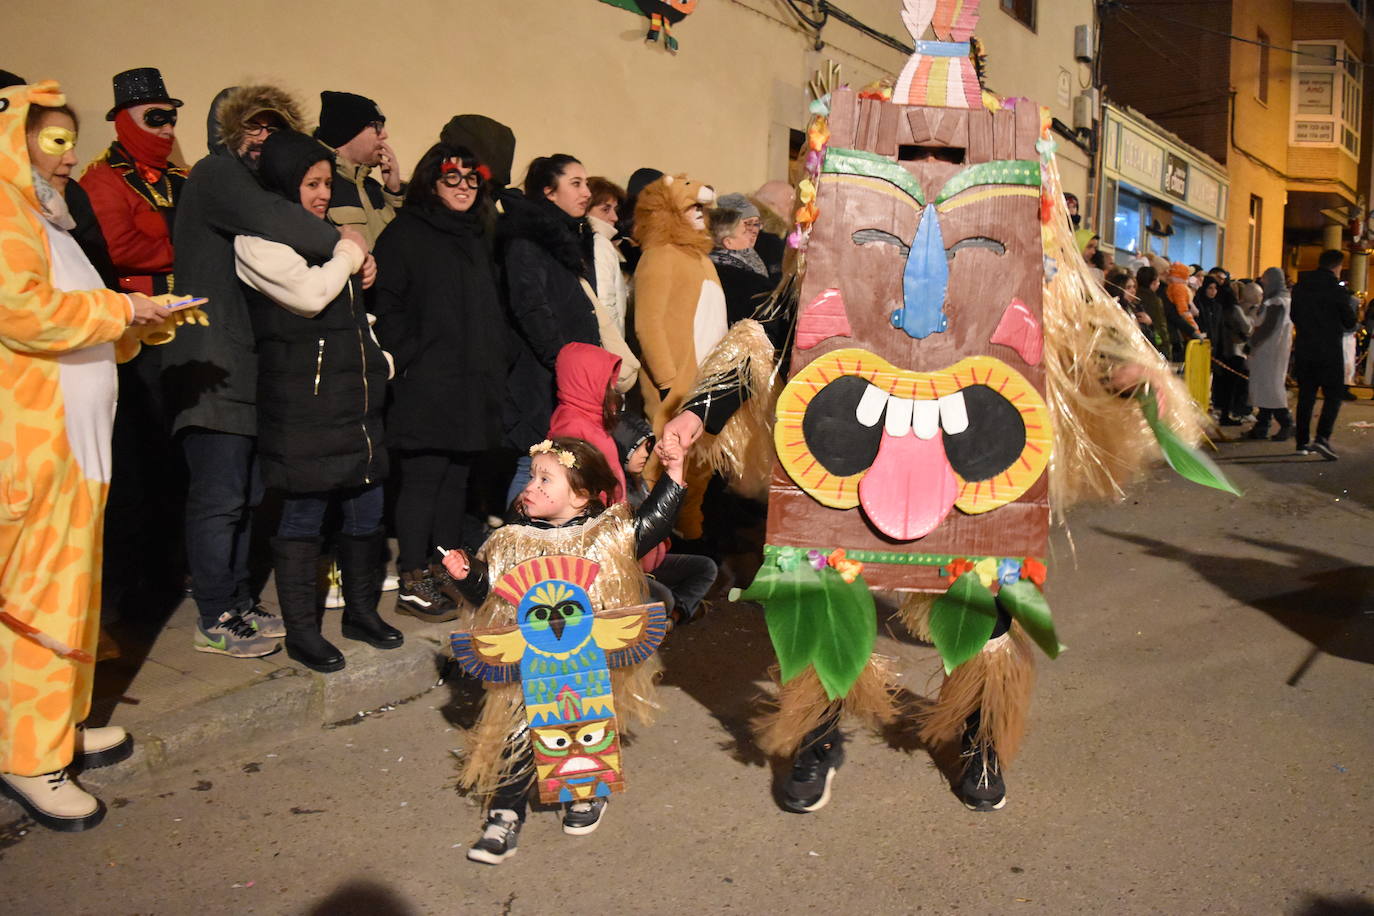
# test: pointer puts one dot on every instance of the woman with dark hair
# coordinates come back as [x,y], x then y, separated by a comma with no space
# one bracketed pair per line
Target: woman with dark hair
[546,252]
[321,386]
[439,313]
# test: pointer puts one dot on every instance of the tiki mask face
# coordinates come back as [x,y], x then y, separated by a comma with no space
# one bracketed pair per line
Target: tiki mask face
[914,419]
[577,762]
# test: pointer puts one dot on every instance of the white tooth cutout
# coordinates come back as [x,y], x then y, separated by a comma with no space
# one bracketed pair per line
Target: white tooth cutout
[925,419]
[870,409]
[953,413]
[898,422]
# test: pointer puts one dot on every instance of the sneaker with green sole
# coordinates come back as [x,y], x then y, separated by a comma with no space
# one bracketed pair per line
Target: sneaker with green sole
[233,636]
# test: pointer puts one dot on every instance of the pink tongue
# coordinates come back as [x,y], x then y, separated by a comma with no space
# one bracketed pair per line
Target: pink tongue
[910,488]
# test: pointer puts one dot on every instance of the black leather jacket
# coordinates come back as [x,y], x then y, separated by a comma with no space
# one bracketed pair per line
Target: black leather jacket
[653,522]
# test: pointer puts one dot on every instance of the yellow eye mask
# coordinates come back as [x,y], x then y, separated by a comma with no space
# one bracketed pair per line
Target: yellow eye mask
[55,140]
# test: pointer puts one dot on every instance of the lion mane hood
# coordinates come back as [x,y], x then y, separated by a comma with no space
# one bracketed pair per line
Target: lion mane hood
[661,214]
[239,104]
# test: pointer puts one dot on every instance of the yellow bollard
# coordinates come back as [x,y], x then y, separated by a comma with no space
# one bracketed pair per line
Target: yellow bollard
[1197,372]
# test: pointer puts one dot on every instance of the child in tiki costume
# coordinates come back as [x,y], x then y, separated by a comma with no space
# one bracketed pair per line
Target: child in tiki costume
[956,376]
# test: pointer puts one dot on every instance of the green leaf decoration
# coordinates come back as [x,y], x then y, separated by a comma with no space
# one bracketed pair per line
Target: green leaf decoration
[630,5]
[1187,461]
[846,622]
[962,620]
[817,619]
[1027,605]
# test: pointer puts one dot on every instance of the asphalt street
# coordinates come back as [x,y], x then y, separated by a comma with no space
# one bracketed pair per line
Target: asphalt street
[1205,745]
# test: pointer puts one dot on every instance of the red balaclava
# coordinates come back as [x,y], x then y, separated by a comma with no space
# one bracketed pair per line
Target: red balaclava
[147,149]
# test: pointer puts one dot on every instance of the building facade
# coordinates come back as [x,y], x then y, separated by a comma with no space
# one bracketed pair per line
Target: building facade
[1271,90]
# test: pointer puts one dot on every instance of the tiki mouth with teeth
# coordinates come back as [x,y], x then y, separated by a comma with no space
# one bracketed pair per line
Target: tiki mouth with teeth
[854,430]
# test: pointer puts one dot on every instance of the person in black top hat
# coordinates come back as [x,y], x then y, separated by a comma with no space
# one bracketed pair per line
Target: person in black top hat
[355,128]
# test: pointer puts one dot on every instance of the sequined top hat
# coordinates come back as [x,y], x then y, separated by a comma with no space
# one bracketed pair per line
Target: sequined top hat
[137,87]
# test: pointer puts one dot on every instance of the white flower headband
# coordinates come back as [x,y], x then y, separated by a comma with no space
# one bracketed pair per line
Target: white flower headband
[565,458]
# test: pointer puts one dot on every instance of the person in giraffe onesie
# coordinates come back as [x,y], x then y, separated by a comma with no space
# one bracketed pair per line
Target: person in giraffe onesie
[60,334]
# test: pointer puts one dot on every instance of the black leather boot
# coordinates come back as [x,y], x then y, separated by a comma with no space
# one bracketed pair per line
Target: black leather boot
[294,563]
[360,564]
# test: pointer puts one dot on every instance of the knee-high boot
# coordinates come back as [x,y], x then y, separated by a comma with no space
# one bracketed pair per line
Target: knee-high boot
[294,562]
[360,563]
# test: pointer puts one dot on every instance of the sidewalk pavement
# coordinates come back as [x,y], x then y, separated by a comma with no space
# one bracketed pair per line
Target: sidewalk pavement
[183,705]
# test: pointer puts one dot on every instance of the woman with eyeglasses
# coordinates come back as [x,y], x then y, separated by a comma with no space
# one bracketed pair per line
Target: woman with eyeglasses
[439,314]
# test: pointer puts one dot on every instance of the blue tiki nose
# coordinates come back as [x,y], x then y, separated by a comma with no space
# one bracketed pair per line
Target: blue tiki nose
[925,281]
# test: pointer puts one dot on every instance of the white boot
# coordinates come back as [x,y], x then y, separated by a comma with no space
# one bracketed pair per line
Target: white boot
[54,801]
[102,746]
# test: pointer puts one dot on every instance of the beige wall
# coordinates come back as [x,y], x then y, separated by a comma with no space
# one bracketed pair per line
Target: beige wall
[1028,63]
[569,76]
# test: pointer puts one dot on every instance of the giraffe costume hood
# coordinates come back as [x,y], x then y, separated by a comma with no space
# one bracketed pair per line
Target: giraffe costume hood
[58,387]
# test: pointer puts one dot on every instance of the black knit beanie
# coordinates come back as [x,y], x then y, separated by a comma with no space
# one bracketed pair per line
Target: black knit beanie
[286,157]
[343,116]
[492,142]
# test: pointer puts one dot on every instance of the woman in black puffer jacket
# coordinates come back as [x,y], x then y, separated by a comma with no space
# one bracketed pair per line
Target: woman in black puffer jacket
[439,314]
[321,387]
[549,275]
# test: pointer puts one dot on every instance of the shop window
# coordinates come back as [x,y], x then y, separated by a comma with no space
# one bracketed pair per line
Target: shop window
[1126,227]
[1021,10]
[1262,81]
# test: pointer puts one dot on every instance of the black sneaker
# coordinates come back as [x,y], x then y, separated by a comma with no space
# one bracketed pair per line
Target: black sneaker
[981,787]
[1304,449]
[498,838]
[1323,448]
[582,817]
[813,770]
[419,597]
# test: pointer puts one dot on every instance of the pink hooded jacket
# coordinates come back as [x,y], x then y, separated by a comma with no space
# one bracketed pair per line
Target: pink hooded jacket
[582,375]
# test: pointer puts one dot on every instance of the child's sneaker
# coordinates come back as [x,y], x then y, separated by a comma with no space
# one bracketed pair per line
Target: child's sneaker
[813,770]
[419,596]
[981,787]
[498,839]
[582,817]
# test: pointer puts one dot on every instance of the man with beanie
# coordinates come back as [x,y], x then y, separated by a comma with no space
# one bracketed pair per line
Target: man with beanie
[134,189]
[355,128]
[1323,311]
[211,378]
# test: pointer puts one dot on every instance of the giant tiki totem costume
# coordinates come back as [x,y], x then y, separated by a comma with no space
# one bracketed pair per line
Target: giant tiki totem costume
[954,369]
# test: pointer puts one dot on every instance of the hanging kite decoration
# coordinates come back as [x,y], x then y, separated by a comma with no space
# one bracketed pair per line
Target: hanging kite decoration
[662,15]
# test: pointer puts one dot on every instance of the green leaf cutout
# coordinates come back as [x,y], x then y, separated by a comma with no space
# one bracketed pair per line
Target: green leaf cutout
[846,624]
[1187,461]
[962,620]
[1027,605]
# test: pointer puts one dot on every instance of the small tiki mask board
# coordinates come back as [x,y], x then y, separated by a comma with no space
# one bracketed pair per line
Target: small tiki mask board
[561,649]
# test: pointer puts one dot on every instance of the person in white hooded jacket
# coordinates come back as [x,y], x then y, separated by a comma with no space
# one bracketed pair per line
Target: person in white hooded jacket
[612,292]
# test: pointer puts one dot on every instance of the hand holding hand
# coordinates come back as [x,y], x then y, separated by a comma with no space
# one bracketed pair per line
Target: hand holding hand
[456,562]
[684,429]
[672,455]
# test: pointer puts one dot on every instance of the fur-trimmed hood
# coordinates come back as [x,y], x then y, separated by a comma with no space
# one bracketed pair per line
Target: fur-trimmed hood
[567,240]
[661,214]
[235,106]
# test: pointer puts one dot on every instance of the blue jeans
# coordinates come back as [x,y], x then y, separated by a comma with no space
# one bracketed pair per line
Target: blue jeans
[223,488]
[302,514]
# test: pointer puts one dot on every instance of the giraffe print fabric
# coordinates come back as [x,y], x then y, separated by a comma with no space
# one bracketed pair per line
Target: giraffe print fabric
[58,330]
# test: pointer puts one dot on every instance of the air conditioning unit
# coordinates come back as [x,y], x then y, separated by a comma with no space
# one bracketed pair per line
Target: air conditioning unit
[1085,106]
[1084,43]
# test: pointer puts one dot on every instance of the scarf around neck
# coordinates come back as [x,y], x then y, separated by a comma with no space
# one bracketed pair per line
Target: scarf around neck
[54,204]
[746,259]
[146,149]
